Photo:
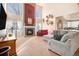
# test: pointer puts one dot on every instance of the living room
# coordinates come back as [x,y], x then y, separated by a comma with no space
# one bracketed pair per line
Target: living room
[31,27]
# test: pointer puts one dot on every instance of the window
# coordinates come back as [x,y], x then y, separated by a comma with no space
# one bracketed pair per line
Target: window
[73,24]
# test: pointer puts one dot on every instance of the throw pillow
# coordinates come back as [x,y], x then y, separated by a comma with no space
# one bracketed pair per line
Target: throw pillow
[59,34]
[67,36]
[58,37]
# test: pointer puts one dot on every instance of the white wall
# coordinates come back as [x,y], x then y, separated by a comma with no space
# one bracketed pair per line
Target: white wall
[60,9]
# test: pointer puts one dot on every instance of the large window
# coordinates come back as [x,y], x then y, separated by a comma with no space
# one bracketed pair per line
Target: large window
[14,8]
[73,24]
[38,16]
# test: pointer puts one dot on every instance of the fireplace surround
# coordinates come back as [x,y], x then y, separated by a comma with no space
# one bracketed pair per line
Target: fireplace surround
[29,31]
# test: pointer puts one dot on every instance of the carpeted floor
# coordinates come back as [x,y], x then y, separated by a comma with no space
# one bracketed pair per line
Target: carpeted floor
[20,41]
[34,46]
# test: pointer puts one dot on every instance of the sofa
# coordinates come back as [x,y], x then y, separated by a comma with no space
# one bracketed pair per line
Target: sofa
[67,46]
[42,32]
[57,34]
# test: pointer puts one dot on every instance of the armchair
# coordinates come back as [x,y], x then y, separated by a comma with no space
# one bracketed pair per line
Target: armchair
[67,46]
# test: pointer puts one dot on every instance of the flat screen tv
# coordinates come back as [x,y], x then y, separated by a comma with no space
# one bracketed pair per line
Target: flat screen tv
[3,17]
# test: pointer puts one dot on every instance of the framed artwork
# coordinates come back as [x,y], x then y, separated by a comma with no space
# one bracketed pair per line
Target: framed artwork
[29,21]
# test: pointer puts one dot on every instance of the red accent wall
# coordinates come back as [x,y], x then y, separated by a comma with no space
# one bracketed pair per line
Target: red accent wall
[29,11]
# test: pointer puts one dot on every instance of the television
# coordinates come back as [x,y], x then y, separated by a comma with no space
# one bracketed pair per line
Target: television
[3,17]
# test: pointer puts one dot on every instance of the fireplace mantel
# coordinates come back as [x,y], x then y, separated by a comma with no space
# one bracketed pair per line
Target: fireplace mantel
[29,26]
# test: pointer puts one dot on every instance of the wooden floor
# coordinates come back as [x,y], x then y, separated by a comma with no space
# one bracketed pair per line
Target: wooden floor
[34,46]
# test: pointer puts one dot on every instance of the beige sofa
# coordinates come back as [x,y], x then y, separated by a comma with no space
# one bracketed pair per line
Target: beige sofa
[67,46]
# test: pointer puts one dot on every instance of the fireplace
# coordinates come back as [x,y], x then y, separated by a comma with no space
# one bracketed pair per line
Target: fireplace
[30,31]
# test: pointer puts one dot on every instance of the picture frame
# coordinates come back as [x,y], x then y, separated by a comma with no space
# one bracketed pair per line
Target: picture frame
[30,21]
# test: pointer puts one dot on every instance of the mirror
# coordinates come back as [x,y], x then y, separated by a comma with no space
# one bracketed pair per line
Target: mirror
[60,22]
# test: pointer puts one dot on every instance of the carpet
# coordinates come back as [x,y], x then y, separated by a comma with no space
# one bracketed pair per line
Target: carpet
[35,46]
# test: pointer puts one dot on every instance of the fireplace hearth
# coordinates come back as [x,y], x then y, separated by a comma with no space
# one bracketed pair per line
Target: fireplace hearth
[29,31]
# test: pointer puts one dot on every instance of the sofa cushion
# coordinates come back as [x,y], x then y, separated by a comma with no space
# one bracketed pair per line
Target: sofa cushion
[63,32]
[59,34]
[67,36]
[58,37]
